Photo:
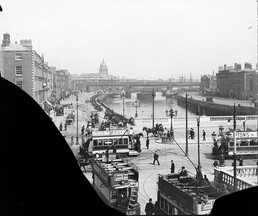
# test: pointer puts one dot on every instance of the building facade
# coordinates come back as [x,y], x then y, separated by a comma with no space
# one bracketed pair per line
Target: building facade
[208,84]
[24,67]
[237,83]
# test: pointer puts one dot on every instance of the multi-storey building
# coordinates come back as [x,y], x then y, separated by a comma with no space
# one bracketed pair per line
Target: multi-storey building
[208,84]
[24,67]
[237,83]
[61,82]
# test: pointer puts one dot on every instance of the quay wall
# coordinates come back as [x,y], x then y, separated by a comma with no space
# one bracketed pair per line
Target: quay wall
[214,109]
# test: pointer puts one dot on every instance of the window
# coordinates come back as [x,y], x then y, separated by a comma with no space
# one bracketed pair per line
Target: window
[19,84]
[126,141]
[18,70]
[18,56]
[95,142]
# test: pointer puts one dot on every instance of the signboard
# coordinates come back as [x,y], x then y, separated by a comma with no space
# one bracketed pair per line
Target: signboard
[244,135]
[109,133]
[207,206]
[121,177]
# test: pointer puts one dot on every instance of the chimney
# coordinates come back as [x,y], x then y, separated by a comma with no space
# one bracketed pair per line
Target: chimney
[6,40]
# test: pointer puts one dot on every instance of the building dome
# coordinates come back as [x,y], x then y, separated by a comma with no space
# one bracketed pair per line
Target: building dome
[103,71]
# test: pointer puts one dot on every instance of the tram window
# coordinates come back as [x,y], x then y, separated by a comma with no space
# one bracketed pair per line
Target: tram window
[176,211]
[252,142]
[95,142]
[110,142]
[166,205]
[243,143]
[231,144]
[170,212]
[126,141]
[116,141]
[121,141]
[162,203]
[100,142]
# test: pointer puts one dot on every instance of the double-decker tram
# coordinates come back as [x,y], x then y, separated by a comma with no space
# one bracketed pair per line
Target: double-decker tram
[184,195]
[246,144]
[116,182]
[119,141]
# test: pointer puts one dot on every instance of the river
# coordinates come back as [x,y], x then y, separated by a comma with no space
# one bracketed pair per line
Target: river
[161,104]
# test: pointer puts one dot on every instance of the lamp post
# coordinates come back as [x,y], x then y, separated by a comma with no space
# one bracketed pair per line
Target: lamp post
[136,104]
[44,84]
[199,172]
[171,113]
[77,137]
[123,96]
[153,96]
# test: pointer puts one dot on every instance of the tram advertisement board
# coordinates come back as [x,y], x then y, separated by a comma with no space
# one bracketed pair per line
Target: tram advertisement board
[207,205]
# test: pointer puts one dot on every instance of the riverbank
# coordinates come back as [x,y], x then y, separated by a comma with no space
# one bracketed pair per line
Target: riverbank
[216,107]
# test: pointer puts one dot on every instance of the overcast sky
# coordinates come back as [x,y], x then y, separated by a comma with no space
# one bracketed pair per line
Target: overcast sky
[137,38]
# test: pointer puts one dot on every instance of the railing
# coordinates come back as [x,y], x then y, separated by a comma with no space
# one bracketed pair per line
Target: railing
[223,176]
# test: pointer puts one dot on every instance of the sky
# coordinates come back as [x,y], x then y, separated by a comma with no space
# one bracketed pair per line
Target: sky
[142,39]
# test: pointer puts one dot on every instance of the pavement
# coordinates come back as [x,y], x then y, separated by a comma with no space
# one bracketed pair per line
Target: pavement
[148,173]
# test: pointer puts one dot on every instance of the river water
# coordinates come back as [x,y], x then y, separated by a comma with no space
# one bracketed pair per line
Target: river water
[161,104]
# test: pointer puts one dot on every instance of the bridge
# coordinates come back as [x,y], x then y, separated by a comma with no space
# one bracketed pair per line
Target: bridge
[129,85]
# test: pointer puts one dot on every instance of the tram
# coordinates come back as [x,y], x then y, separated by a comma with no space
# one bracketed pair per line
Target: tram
[246,144]
[119,141]
[184,195]
[116,182]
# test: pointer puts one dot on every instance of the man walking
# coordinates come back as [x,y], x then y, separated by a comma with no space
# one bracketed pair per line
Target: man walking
[172,168]
[149,208]
[204,135]
[147,142]
[156,157]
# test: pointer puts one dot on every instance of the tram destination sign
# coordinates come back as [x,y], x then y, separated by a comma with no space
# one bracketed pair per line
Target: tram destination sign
[244,135]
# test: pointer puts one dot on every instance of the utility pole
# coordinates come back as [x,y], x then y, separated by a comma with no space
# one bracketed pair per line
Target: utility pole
[234,117]
[186,125]
[199,172]
[153,96]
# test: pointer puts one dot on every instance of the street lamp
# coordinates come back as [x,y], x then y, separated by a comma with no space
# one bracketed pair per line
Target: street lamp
[123,96]
[171,113]
[44,85]
[136,104]
[199,172]
[153,96]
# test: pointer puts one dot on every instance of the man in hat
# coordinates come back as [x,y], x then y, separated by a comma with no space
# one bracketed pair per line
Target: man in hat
[183,171]
[149,208]
[156,157]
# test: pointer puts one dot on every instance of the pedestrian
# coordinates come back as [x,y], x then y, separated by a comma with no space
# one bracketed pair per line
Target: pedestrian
[241,162]
[204,135]
[61,127]
[72,140]
[65,126]
[156,158]
[82,130]
[172,168]
[183,171]
[216,163]
[213,135]
[147,142]
[149,208]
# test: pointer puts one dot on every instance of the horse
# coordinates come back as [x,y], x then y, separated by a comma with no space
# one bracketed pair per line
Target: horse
[150,130]
[137,136]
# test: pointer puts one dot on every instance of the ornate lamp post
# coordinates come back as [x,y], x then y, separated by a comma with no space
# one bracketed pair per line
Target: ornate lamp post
[153,96]
[171,113]
[44,85]
[136,104]
[123,96]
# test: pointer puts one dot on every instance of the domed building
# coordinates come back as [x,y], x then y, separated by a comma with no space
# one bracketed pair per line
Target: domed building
[103,71]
